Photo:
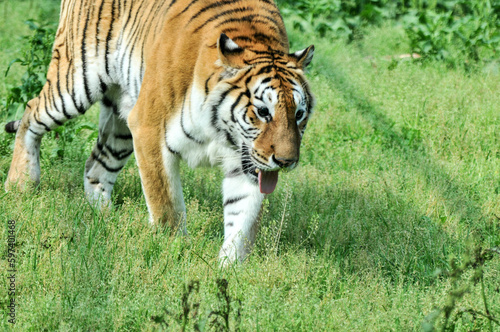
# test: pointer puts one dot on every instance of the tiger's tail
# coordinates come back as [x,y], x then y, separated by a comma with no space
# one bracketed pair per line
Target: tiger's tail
[11,127]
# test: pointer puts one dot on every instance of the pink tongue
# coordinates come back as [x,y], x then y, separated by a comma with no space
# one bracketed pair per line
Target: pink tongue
[268,181]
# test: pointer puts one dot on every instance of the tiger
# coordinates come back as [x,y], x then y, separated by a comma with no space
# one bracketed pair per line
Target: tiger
[210,82]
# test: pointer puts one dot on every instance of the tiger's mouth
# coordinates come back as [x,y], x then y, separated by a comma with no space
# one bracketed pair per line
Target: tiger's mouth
[267,180]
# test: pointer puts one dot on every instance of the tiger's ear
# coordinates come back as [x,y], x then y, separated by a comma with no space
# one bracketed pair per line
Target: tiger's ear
[304,57]
[229,52]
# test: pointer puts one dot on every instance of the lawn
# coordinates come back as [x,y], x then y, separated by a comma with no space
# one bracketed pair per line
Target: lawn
[399,179]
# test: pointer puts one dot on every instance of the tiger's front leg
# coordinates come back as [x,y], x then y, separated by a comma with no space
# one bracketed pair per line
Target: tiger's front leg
[160,178]
[242,204]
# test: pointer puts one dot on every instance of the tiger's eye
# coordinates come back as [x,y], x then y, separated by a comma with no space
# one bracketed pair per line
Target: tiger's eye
[299,115]
[263,111]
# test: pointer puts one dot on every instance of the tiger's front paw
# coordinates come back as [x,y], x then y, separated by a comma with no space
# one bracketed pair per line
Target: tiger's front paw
[227,256]
[235,249]
[21,180]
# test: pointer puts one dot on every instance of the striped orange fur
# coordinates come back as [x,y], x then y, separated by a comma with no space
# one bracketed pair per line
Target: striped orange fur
[209,82]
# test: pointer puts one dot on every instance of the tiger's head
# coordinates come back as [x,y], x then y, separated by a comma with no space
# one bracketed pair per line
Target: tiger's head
[264,106]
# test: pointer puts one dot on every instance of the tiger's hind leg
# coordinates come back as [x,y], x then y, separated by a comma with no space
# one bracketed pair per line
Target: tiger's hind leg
[54,106]
[111,152]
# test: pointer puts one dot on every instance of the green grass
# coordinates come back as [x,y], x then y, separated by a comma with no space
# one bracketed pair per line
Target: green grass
[399,172]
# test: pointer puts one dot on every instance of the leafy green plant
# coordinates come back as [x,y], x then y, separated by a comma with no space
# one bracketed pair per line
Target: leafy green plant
[35,59]
[456,31]
[344,18]
[474,262]
[189,319]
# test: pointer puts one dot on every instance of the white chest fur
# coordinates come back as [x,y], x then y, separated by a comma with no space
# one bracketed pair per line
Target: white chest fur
[190,135]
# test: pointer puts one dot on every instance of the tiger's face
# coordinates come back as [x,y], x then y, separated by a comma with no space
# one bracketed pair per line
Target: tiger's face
[269,111]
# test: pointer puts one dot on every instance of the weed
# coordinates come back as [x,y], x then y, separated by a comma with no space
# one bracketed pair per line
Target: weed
[35,59]
[220,317]
[189,319]
[343,18]
[458,32]
[475,262]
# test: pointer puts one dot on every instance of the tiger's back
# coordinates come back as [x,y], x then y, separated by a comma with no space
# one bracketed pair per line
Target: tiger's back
[109,42]
[210,82]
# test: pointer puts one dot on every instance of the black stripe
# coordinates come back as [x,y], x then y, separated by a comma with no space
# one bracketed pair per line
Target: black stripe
[40,123]
[141,72]
[79,18]
[171,4]
[246,165]
[52,99]
[214,5]
[233,106]
[234,173]
[93,180]
[119,154]
[123,136]
[230,139]
[171,150]
[132,41]
[188,135]
[270,18]
[234,200]
[80,109]
[84,59]
[265,70]
[107,102]
[249,19]
[246,115]
[187,7]
[108,38]
[271,53]
[290,81]
[269,2]
[266,80]
[129,67]
[34,132]
[58,86]
[103,86]
[106,167]
[141,35]
[243,132]
[158,6]
[266,38]
[224,13]
[242,38]
[100,147]
[264,91]
[70,63]
[226,31]
[206,84]
[129,14]
[47,110]
[221,99]
[99,14]
[245,73]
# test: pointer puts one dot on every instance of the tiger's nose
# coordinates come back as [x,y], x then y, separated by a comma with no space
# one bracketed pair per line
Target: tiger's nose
[284,162]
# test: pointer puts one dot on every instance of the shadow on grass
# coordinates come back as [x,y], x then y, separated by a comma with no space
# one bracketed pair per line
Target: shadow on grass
[360,227]
[457,195]
[377,227]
